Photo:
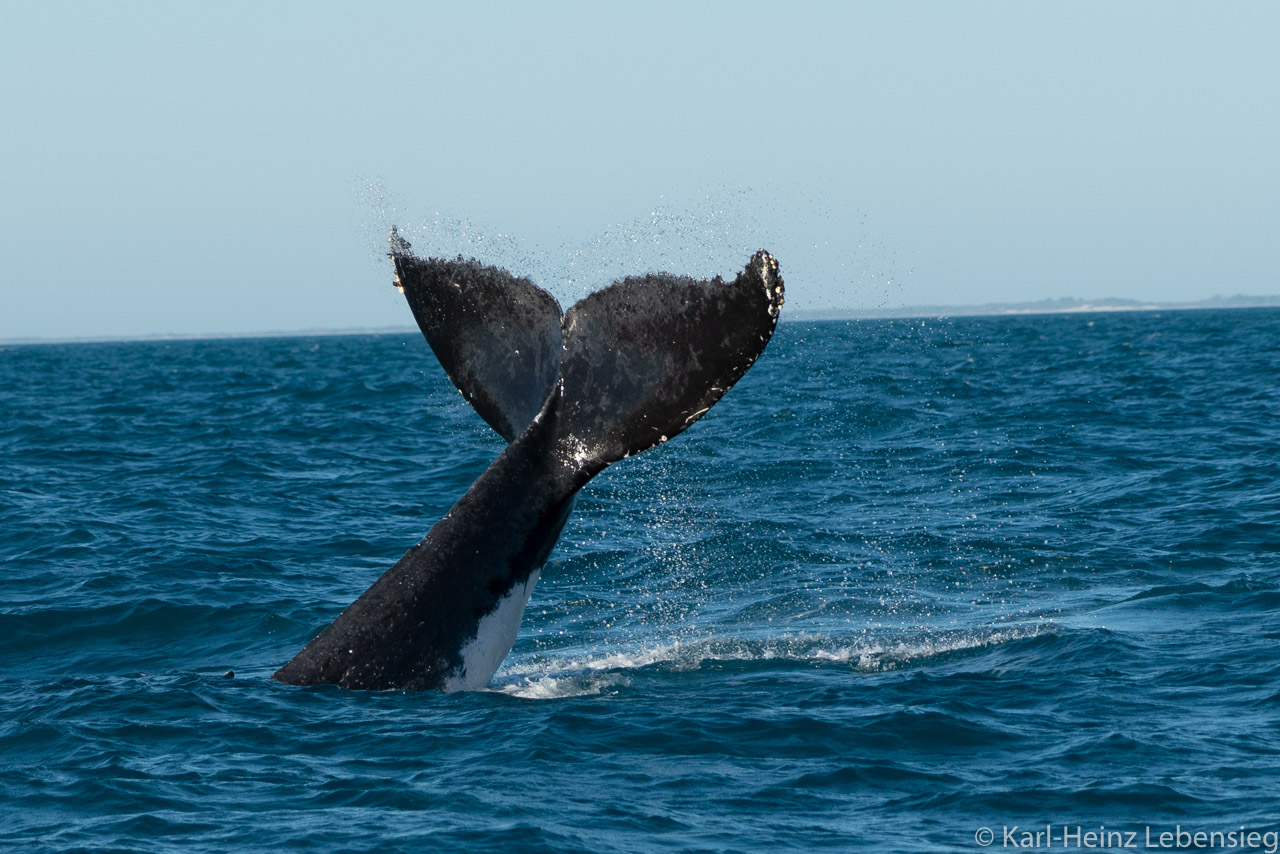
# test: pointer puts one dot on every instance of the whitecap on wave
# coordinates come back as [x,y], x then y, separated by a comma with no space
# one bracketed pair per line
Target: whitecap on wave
[577,673]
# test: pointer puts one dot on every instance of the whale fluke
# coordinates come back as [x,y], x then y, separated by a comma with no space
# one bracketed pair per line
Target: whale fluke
[626,368]
[497,336]
[647,356]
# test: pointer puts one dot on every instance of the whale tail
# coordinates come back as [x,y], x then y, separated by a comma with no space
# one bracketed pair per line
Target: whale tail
[633,364]
[624,369]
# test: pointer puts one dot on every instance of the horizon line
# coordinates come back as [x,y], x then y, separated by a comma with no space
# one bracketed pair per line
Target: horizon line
[1061,305]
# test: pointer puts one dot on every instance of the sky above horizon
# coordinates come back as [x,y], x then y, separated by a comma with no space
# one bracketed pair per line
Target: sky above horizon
[234,167]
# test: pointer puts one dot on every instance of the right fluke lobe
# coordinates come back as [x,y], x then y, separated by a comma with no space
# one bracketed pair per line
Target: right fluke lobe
[647,356]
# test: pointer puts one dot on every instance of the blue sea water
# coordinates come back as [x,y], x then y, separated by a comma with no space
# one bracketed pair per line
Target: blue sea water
[909,580]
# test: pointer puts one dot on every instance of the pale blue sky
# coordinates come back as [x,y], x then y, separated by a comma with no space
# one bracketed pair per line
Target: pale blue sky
[231,167]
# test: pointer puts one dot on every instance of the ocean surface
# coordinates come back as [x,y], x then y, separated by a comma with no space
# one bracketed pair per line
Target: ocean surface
[910,581]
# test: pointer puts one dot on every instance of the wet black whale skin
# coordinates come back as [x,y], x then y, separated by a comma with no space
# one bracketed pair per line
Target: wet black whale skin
[626,368]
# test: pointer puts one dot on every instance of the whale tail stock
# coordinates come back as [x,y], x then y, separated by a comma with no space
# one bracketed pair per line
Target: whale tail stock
[626,368]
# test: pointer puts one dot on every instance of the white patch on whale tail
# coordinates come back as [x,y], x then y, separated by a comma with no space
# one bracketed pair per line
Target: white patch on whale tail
[494,638]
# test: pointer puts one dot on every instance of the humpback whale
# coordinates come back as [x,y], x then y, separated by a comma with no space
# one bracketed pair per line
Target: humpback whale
[625,369]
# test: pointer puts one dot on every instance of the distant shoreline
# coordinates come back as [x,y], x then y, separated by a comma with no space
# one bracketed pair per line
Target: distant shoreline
[1049,306]
[1055,306]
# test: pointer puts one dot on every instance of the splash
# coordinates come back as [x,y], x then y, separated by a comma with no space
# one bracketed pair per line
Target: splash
[826,245]
[570,674]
